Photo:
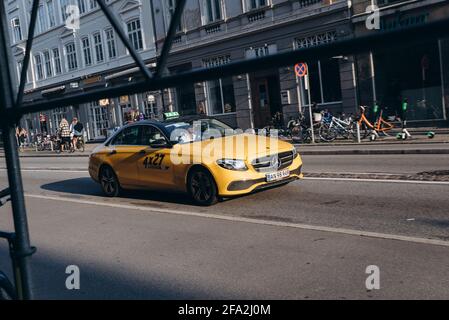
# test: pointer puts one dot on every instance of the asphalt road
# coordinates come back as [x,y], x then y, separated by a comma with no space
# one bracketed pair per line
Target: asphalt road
[312,239]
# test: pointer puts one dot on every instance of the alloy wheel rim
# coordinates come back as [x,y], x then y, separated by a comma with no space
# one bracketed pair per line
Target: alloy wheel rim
[108,181]
[201,187]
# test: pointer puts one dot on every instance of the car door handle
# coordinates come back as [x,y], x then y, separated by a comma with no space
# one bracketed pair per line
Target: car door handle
[142,152]
[113,152]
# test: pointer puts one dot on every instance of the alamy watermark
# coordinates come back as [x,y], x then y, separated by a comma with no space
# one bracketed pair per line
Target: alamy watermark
[373,280]
[73,281]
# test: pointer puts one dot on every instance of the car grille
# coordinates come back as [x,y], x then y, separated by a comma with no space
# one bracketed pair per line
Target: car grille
[266,163]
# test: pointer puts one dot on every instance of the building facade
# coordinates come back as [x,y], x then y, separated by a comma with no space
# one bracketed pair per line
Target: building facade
[77,59]
[216,32]
[219,32]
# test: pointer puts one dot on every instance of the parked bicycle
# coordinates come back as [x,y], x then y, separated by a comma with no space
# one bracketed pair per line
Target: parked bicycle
[44,143]
[369,129]
[333,127]
[299,131]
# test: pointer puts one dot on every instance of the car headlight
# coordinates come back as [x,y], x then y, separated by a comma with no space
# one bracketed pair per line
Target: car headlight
[231,164]
[295,153]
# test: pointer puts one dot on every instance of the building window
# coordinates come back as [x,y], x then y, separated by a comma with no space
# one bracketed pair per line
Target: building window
[150,106]
[256,4]
[41,19]
[48,67]
[212,10]
[221,96]
[93,4]
[220,93]
[64,4]
[110,42]
[72,63]
[86,51]
[57,115]
[17,30]
[98,43]
[171,11]
[325,83]
[51,13]
[19,70]
[82,6]
[99,117]
[39,67]
[57,61]
[135,34]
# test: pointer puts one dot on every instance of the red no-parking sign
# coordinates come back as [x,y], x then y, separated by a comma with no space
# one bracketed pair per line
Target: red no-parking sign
[301,69]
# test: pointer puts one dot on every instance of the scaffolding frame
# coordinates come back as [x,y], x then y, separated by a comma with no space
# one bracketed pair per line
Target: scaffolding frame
[12,110]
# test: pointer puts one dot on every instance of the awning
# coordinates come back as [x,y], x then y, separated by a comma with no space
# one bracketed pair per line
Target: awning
[127,72]
[53,90]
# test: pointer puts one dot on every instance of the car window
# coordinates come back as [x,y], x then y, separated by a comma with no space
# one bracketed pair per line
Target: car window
[152,135]
[128,137]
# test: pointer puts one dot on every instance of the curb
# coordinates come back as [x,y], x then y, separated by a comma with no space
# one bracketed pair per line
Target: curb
[418,177]
[371,152]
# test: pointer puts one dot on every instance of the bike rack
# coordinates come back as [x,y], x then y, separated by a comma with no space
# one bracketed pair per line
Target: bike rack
[12,110]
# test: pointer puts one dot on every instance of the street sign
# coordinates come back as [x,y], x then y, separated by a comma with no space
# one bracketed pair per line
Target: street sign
[301,69]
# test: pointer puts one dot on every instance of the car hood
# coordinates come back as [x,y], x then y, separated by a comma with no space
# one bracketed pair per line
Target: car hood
[241,147]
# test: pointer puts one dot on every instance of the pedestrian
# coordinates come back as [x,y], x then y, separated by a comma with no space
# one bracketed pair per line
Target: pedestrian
[64,132]
[21,134]
[76,130]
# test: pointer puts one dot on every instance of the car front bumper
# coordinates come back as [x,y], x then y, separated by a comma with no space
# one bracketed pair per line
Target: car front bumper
[239,183]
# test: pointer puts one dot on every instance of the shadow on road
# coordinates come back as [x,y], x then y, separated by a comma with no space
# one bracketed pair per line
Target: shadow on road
[86,187]
[101,281]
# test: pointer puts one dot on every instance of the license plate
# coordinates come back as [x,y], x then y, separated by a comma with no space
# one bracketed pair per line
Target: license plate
[275,176]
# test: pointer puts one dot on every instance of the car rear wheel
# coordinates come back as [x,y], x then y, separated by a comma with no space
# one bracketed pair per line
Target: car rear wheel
[109,182]
[202,188]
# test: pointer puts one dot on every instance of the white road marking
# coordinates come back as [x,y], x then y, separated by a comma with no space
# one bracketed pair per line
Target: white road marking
[379,180]
[51,170]
[248,220]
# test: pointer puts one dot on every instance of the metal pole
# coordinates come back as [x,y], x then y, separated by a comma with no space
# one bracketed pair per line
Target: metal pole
[23,251]
[312,129]
[116,25]
[175,22]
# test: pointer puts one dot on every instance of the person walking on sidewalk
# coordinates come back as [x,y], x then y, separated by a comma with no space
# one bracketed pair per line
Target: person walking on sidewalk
[21,134]
[76,129]
[64,131]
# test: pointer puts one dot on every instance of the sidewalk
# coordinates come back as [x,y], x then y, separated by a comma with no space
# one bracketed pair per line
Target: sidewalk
[418,144]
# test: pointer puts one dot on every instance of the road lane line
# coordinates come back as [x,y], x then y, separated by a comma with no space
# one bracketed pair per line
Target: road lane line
[377,180]
[51,170]
[351,232]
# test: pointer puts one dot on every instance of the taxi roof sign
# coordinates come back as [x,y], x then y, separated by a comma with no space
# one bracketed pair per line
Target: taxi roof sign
[171,115]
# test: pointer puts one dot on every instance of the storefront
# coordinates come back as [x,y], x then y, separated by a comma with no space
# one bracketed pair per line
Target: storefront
[417,73]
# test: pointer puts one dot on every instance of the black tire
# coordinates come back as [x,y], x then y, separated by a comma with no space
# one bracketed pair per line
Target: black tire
[296,134]
[364,131]
[81,146]
[327,134]
[202,187]
[109,182]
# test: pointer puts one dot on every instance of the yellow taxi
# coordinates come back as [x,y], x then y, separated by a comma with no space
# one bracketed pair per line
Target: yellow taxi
[200,156]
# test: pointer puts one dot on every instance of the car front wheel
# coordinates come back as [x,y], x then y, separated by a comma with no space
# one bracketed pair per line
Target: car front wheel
[202,188]
[109,182]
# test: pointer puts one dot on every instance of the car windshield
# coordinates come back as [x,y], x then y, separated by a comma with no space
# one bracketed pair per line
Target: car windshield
[197,130]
